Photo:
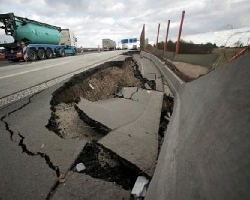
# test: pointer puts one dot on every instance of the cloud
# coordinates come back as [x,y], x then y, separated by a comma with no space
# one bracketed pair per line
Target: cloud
[97,19]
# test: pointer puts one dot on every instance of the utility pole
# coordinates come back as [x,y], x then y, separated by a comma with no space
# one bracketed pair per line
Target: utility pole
[157,35]
[166,41]
[179,37]
[142,39]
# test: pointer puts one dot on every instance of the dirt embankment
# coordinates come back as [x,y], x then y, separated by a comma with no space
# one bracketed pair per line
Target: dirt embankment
[185,71]
[193,71]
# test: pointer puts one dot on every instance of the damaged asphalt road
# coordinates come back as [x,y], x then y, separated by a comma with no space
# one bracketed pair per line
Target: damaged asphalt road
[32,156]
[42,145]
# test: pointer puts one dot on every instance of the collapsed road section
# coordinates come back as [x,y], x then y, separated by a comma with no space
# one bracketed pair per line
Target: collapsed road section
[118,110]
[112,102]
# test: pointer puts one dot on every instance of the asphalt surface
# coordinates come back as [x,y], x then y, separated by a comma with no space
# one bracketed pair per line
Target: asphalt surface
[136,138]
[19,76]
[31,155]
[33,158]
[205,154]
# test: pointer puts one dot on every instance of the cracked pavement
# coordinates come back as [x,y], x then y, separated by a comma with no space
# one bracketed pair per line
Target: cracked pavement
[33,156]
[134,124]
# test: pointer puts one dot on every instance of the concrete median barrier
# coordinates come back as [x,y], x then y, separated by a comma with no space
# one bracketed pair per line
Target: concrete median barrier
[205,154]
[173,81]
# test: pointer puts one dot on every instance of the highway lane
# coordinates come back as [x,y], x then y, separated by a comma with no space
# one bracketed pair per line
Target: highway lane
[32,152]
[18,77]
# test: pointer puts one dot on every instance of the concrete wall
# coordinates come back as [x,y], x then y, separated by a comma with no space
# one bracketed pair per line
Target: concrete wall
[206,150]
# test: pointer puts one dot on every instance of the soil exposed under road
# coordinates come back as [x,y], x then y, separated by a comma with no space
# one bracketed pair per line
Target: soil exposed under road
[98,85]
[103,82]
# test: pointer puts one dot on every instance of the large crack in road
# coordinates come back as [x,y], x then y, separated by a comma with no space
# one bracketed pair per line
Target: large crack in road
[106,80]
[21,143]
[103,82]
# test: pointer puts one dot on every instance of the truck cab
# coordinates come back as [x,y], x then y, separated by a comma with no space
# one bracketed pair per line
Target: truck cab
[68,38]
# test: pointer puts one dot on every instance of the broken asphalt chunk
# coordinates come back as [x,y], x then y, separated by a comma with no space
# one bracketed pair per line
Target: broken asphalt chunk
[137,141]
[140,187]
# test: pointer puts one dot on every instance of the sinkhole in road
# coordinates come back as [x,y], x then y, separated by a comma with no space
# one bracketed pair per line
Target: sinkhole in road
[67,121]
[99,83]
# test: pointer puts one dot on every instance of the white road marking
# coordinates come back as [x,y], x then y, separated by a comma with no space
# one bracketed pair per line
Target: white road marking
[21,94]
[32,70]
[50,66]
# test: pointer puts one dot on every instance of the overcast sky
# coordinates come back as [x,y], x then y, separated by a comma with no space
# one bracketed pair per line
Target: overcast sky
[93,20]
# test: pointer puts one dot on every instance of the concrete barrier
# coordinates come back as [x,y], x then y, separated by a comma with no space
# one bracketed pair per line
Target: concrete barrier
[173,81]
[206,150]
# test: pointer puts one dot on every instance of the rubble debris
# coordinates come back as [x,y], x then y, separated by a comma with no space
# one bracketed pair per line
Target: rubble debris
[92,87]
[140,187]
[80,167]
[62,178]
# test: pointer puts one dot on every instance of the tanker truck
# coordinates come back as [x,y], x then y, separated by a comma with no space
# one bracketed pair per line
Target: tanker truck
[40,40]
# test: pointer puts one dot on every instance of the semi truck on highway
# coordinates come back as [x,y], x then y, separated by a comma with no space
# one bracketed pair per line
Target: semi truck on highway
[35,40]
[108,44]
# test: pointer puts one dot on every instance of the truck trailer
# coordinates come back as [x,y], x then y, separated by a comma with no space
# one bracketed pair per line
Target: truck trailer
[39,40]
[108,44]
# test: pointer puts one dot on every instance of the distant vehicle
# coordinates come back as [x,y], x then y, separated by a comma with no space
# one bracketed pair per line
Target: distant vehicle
[130,43]
[40,40]
[108,45]
[134,47]
[124,46]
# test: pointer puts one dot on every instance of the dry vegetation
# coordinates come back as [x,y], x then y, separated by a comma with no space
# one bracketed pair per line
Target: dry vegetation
[187,72]
[225,55]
